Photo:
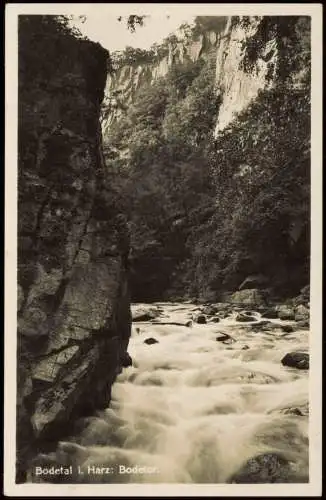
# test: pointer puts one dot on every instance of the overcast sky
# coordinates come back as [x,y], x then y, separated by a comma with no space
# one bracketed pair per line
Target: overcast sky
[114,35]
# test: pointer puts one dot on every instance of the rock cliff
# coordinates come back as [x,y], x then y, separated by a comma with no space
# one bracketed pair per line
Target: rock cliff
[237,86]
[212,135]
[73,300]
[122,85]
[249,59]
[254,54]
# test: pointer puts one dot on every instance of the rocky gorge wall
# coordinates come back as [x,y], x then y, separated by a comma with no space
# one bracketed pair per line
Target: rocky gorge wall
[73,301]
[123,84]
[256,53]
[248,60]
[230,110]
[236,86]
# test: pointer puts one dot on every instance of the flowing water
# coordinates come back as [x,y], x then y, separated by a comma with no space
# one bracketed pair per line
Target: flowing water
[192,409]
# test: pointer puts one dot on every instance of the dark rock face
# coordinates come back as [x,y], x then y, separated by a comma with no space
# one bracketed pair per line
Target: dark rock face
[296,359]
[145,316]
[74,316]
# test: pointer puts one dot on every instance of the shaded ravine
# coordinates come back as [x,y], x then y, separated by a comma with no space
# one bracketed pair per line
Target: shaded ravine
[194,409]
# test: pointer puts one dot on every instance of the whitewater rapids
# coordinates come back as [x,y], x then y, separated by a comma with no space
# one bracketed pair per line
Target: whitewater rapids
[192,409]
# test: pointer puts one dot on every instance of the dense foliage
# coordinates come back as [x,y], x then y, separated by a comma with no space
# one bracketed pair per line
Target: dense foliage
[206,213]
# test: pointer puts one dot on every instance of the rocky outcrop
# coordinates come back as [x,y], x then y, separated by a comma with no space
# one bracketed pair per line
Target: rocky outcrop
[123,85]
[73,302]
[237,86]
[250,59]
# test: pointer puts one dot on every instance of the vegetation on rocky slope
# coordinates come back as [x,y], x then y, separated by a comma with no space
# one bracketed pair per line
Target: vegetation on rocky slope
[206,213]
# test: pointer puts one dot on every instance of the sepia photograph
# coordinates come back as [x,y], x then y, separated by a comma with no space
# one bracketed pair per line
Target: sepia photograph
[163,261]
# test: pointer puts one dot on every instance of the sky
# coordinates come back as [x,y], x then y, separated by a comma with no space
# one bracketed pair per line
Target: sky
[114,35]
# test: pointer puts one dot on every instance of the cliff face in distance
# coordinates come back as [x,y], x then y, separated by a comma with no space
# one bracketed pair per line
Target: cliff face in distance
[130,77]
[248,58]
[210,140]
[73,300]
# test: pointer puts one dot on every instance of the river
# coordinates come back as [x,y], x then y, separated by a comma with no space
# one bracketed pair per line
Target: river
[193,409]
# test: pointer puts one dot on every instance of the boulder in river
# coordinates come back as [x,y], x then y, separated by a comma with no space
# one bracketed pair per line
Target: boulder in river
[224,337]
[224,314]
[200,319]
[143,313]
[299,412]
[244,317]
[285,312]
[150,341]
[216,319]
[210,310]
[270,313]
[301,313]
[265,468]
[264,326]
[303,324]
[248,297]
[287,328]
[296,359]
